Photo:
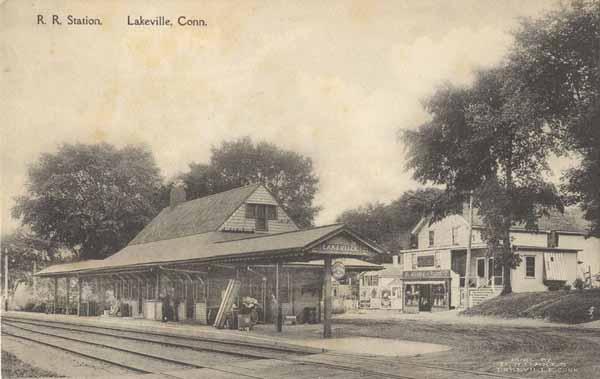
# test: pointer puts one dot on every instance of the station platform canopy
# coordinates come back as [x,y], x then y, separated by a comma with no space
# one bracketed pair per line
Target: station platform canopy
[197,232]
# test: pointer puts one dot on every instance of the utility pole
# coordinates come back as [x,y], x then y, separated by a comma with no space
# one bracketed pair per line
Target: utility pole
[468,263]
[6,279]
[328,302]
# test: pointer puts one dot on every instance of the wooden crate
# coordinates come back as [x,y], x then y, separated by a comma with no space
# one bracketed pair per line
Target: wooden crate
[200,313]
[153,310]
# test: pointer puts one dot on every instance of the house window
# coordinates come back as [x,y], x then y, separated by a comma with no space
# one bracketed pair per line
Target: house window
[426,261]
[553,239]
[413,259]
[261,213]
[530,267]
[431,238]
[455,235]
[414,241]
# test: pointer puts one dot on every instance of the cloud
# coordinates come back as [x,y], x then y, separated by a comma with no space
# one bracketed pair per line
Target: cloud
[333,81]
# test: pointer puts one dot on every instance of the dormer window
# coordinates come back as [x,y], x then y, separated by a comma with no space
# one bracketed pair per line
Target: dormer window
[261,213]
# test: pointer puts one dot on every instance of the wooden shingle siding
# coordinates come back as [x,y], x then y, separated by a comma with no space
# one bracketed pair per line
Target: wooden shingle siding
[261,196]
[239,222]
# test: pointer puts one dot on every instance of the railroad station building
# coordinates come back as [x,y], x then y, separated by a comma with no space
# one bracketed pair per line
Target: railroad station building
[189,253]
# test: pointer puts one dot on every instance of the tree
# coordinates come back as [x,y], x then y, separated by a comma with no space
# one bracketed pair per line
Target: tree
[488,141]
[389,225]
[91,198]
[556,58]
[23,248]
[286,174]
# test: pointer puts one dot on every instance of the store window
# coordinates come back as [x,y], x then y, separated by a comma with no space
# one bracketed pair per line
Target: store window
[438,295]
[530,267]
[411,297]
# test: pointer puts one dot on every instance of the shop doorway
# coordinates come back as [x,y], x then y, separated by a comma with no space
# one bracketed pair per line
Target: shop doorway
[424,298]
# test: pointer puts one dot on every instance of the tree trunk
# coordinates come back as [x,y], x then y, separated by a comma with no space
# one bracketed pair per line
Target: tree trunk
[507,288]
[507,252]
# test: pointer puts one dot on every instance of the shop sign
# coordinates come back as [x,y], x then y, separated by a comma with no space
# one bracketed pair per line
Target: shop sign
[338,270]
[426,274]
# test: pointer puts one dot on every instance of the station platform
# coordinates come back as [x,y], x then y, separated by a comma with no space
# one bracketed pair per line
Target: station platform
[305,337]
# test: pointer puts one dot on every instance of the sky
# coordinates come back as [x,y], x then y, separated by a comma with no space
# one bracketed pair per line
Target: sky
[334,81]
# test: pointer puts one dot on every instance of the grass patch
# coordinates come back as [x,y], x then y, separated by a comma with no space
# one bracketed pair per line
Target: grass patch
[13,367]
[571,307]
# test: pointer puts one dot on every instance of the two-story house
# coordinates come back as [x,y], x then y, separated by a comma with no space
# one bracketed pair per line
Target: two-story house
[552,256]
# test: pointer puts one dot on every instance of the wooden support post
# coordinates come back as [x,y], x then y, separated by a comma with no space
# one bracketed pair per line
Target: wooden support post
[486,269]
[291,290]
[327,303]
[34,279]
[157,284]
[140,298]
[264,298]
[79,296]
[55,294]
[278,298]
[468,260]
[68,285]
[237,298]
[6,279]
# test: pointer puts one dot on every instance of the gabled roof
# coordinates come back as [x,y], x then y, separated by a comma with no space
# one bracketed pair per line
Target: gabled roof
[198,216]
[571,221]
[219,246]
[391,270]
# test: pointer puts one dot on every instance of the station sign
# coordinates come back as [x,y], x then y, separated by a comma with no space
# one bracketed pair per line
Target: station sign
[342,246]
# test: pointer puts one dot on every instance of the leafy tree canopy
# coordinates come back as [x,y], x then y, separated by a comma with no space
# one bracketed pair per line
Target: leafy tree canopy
[288,175]
[23,248]
[91,198]
[389,225]
[556,59]
[486,140]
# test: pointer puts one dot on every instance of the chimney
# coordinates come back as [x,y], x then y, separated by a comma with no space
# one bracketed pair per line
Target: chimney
[394,260]
[178,195]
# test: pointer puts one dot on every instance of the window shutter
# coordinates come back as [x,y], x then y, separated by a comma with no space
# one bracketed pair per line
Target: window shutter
[436,261]
[414,261]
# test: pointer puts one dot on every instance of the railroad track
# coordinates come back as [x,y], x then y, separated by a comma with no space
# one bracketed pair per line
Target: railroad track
[63,336]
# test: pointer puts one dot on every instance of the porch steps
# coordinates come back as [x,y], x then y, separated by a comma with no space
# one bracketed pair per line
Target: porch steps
[479,295]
